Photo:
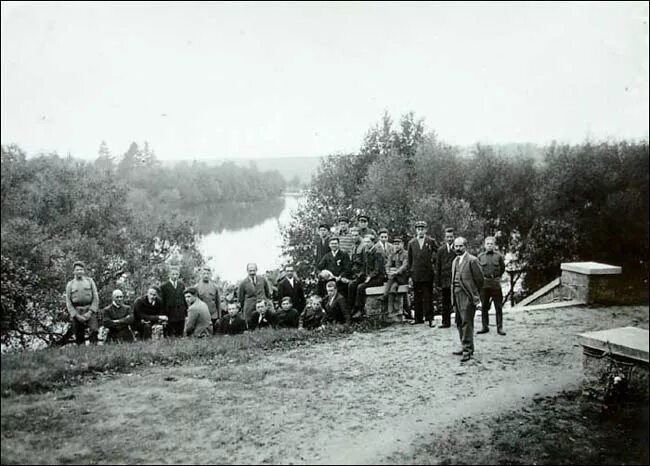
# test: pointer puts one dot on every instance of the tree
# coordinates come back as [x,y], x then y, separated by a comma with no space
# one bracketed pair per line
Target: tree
[13,162]
[129,161]
[105,161]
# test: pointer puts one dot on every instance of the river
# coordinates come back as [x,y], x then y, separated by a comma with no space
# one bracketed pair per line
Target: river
[234,234]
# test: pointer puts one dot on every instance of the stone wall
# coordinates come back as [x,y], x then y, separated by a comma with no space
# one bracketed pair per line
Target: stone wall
[608,377]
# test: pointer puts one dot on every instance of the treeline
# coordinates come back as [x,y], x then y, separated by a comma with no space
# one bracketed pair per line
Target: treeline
[187,184]
[577,202]
[126,220]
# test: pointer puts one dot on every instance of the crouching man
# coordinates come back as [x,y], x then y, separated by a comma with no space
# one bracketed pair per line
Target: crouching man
[118,318]
[232,322]
[313,315]
[147,312]
[199,323]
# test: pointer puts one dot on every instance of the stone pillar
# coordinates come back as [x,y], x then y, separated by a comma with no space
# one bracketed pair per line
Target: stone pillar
[590,282]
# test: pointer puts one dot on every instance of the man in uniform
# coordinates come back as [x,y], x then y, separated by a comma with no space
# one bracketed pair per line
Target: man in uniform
[118,318]
[421,259]
[445,257]
[208,292]
[82,302]
[467,282]
[492,266]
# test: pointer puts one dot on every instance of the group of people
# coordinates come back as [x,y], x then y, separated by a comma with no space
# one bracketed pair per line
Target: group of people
[196,310]
[355,258]
[348,262]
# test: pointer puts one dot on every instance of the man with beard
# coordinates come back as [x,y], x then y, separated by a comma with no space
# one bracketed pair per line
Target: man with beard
[467,282]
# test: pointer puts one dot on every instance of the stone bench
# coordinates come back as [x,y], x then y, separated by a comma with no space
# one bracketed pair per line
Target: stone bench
[619,352]
[375,308]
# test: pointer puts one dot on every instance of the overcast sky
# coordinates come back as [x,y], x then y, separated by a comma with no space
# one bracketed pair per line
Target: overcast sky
[264,80]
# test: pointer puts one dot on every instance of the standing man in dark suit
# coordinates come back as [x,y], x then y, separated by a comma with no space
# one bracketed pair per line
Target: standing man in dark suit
[292,287]
[251,290]
[492,266]
[323,242]
[338,263]
[421,261]
[445,258]
[467,282]
[173,303]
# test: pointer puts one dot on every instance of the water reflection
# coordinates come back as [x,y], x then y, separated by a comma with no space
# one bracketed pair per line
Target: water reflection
[236,215]
[243,233]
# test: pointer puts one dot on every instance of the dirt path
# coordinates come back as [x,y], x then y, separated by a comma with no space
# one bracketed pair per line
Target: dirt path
[359,400]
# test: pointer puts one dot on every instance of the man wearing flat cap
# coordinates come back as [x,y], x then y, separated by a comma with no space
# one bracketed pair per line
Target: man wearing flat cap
[397,272]
[346,243]
[322,243]
[421,254]
[364,229]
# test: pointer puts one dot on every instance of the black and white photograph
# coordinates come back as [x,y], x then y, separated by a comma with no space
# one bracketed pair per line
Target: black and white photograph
[326,232]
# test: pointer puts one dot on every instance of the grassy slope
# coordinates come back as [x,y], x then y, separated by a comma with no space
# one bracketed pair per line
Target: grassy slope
[31,372]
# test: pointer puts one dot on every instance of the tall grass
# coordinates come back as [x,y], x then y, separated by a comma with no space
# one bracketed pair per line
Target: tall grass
[52,368]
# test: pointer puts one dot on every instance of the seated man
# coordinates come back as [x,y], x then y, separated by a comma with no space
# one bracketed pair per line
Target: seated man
[313,314]
[375,276]
[147,312]
[232,323]
[198,323]
[118,318]
[260,317]
[286,316]
[335,305]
